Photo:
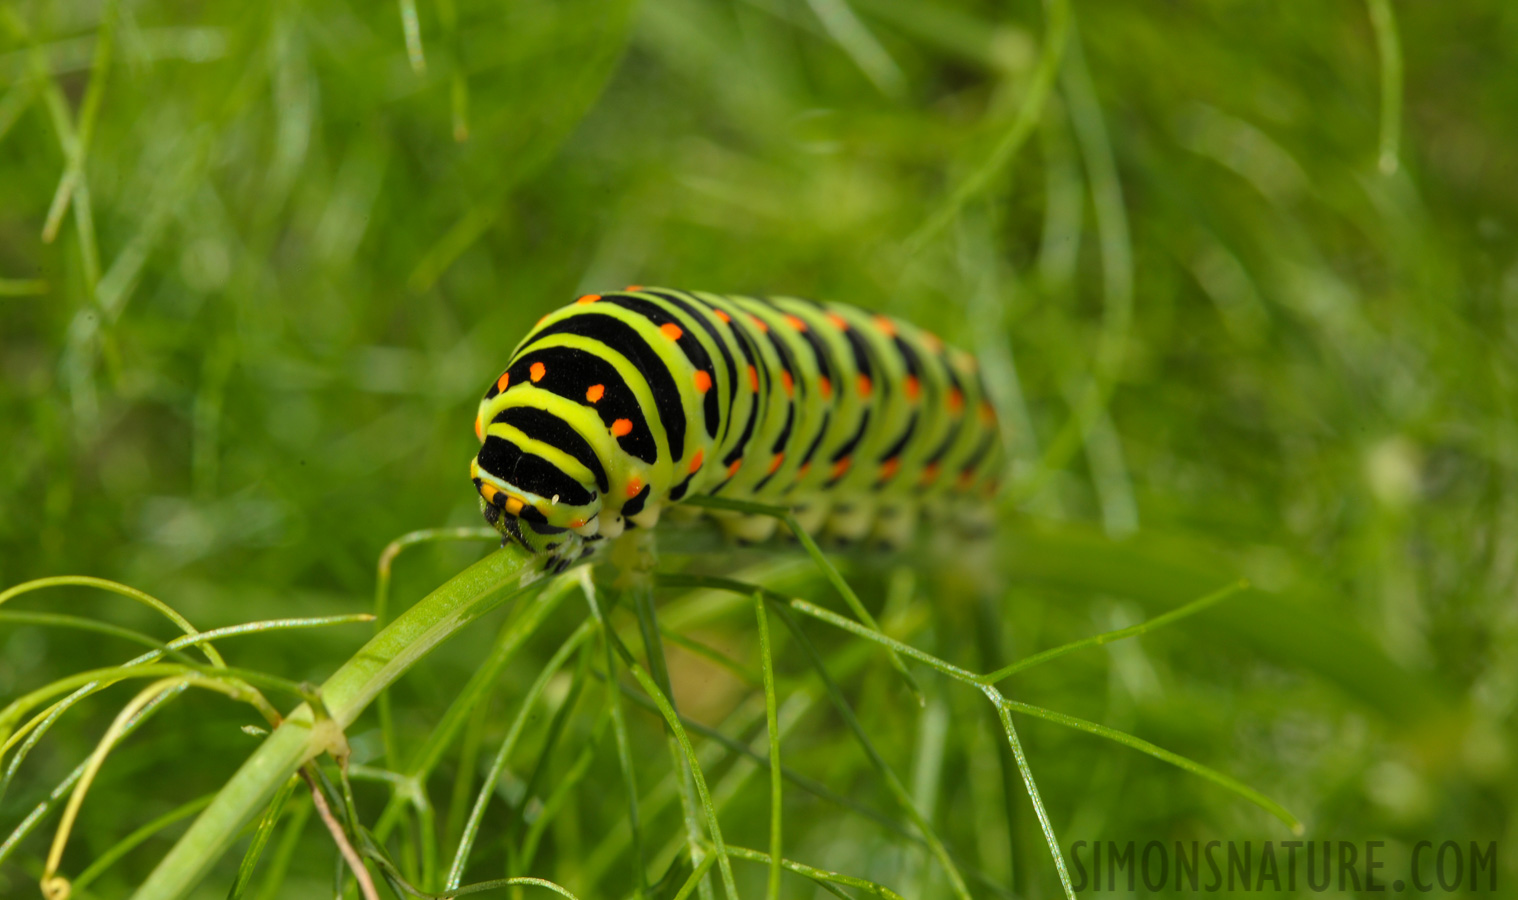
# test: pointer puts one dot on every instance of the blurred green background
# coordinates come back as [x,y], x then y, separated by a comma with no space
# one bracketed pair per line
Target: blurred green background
[1247,283]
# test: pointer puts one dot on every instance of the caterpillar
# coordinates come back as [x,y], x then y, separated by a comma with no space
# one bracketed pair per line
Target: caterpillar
[621,404]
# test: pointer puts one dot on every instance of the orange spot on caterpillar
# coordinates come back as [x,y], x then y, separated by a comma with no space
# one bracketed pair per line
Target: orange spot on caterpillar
[795,323]
[634,486]
[635,287]
[842,466]
[732,469]
[930,474]
[514,506]
[695,461]
[805,468]
[577,523]
[703,381]
[753,378]
[503,382]
[956,401]
[723,316]
[838,321]
[588,298]
[934,342]
[966,478]
[541,321]
[479,428]
[671,331]
[826,386]
[866,386]
[788,383]
[759,324]
[987,413]
[913,388]
[775,463]
[889,467]
[886,326]
[488,491]
[621,427]
[537,372]
[595,392]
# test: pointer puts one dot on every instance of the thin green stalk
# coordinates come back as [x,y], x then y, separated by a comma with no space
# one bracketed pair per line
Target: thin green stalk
[783,605]
[1056,36]
[503,754]
[413,32]
[892,782]
[1032,786]
[1389,49]
[274,878]
[673,721]
[619,731]
[382,598]
[1160,753]
[60,790]
[834,577]
[499,577]
[822,876]
[1116,245]
[255,850]
[648,626]
[124,846]
[162,608]
[1108,637]
[514,633]
[89,109]
[772,725]
[696,877]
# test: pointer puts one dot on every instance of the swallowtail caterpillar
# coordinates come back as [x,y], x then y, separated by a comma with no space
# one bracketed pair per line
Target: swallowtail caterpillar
[621,404]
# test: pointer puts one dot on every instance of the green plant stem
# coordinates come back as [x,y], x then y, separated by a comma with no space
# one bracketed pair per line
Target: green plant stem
[772,726]
[499,577]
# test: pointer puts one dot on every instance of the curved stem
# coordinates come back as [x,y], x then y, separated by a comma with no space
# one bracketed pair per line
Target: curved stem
[499,577]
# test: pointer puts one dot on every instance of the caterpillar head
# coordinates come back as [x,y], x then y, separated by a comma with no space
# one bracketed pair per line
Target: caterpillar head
[532,501]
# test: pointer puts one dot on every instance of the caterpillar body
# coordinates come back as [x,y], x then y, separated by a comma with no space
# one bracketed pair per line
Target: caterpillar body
[621,404]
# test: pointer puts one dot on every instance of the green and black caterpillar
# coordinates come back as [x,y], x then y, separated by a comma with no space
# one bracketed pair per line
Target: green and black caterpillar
[622,403]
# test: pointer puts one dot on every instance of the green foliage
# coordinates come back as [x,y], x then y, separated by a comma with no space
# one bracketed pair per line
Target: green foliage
[1244,276]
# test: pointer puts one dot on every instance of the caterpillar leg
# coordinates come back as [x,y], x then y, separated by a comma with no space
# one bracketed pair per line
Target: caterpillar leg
[851,520]
[895,524]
